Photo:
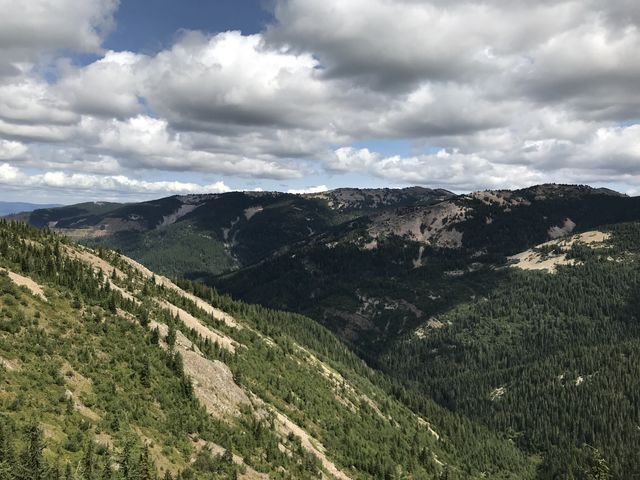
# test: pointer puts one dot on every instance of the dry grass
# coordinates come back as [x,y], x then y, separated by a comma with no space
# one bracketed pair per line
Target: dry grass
[534,260]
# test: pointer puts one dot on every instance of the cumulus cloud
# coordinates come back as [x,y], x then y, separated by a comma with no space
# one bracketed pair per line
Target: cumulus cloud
[211,81]
[455,170]
[439,41]
[114,76]
[302,191]
[485,93]
[11,150]
[607,155]
[101,184]
[31,29]
[147,142]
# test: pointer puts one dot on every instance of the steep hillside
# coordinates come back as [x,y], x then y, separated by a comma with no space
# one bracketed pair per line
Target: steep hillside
[389,273]
[111,371]
[550,355]
[379,276]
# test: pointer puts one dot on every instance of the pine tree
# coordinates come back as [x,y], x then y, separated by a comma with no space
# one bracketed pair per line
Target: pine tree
[145,373]
[6,454]
[144,465]
[596,467]
[31,463]
[88,462]
[171,336]
[107,473]
[126,465]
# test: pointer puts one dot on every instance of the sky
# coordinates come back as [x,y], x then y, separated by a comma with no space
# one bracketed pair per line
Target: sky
[137,99]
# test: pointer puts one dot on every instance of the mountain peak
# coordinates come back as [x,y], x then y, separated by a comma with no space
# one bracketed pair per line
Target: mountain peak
[373,198]
[548,191]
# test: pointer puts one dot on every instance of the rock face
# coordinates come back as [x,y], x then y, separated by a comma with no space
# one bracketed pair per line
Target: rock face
[376,198]
[558,231]
[433,225]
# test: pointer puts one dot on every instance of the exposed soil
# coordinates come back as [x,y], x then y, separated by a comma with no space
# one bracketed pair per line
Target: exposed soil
[285,426]
[206,307]
[26,282]
[204,331]
[533,259]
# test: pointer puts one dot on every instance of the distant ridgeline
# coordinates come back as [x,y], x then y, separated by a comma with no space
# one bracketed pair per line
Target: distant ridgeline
[516,309]
[9,208]
[111,372]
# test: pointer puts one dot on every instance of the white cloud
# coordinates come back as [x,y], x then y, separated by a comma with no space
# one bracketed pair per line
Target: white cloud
[32,28]
[29,101]
[98,184]
[402,43]
[610,154]
[302,191]
[211,81]
[9,173]
[453,170]
[497,93]
[11,150]
[147,142]
[108,87]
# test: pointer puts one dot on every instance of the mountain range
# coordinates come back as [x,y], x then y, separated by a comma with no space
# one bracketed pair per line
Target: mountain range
[513,311]
[110,371]
[8,208]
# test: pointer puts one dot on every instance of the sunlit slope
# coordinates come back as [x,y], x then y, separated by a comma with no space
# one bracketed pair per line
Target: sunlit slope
[113,369]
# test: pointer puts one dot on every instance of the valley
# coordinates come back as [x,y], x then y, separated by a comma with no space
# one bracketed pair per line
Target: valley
[512,310]
[109,368]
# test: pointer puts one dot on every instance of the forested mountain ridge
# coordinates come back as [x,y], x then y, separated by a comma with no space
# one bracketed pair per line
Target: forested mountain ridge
[227,232]
[193,235]
[528,324]
[111,372]
[427,291]
[548,355]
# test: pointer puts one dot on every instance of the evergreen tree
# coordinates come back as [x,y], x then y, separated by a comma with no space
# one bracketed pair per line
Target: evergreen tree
[596,467]
[88,461]
[145,373]
[31,465]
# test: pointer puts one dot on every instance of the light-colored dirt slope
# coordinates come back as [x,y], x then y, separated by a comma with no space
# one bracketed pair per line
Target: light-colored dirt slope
[193,323]
[100,265]
[160,280]
[212,380]
[533,259]
[8,364]
[285,426]
[213,384]
[26,282]
[84,255]
[428,225]
[339,384]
